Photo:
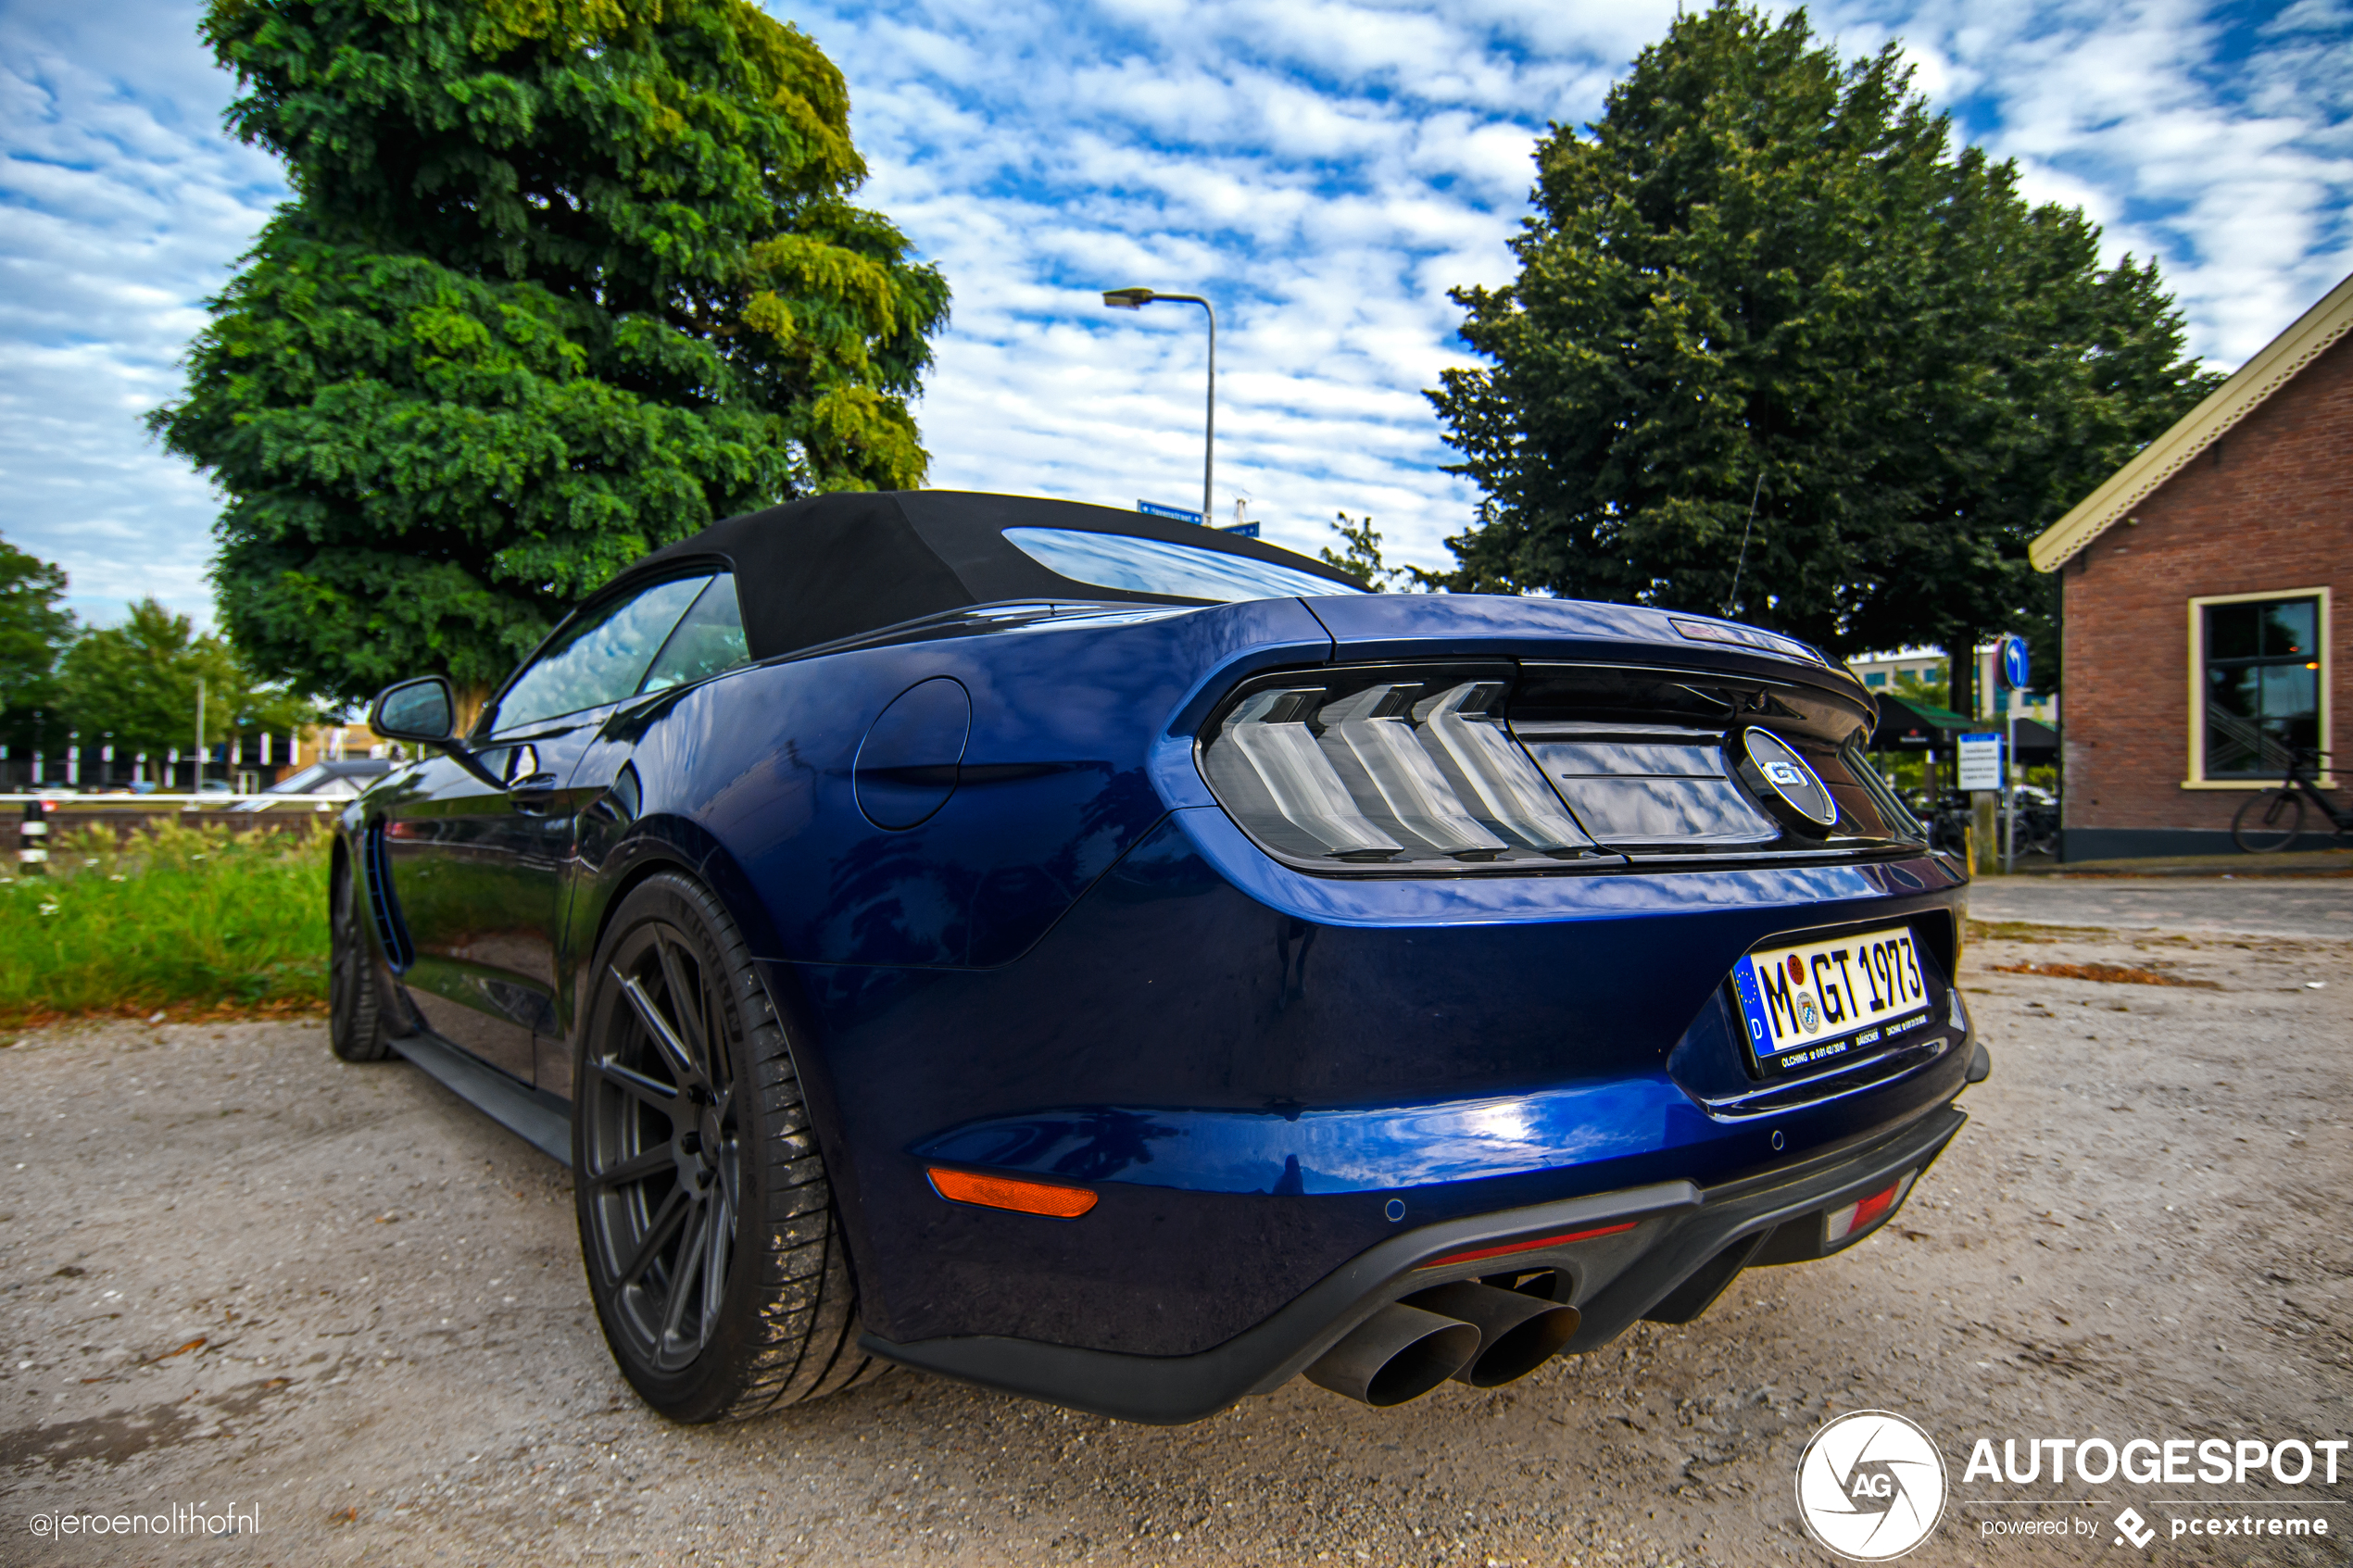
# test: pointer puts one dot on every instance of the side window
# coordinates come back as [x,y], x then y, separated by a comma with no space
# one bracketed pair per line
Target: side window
[709,639]
[600,659]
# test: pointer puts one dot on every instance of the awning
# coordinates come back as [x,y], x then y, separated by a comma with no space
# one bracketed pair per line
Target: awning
[2037,742]
[1907,725]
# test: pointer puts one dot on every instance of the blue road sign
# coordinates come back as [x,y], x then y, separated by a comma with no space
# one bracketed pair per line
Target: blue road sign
[1239,529]
[1153,509]
[2014,665]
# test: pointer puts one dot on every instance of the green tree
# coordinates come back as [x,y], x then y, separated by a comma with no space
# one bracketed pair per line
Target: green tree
[1764,280]
[137,682]
[563,280]
[1360,553]
[33,632]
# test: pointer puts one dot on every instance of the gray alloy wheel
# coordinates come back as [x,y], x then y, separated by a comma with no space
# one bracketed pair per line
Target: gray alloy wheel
[707,1226]
[355,1013]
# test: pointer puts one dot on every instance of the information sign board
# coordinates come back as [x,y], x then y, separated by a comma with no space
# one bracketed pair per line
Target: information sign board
[1981,761]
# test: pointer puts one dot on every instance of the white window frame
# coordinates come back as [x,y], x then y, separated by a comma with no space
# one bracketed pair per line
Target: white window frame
[2196,778]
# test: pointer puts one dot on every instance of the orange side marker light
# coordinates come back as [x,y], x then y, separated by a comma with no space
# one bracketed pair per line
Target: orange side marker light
[1021,1196]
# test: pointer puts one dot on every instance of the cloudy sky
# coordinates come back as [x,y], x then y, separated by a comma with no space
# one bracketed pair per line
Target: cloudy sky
[1324,170]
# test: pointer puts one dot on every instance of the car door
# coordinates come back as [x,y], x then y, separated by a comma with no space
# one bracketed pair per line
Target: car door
[707,639]
[478,866]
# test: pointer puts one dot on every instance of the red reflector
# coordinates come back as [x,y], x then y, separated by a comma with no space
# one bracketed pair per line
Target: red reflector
[1863,1214]
[1510,1246]
[1873,1207]
[1011,1192]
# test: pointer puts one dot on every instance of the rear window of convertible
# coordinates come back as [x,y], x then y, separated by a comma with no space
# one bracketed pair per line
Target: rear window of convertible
[1154,566]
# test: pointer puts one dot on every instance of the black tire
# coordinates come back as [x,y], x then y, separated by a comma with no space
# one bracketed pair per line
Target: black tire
[2267,823]
[355,1013]
[713,1251]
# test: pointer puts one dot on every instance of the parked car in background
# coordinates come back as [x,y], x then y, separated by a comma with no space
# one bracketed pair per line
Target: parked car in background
[338,780]
[1130,965]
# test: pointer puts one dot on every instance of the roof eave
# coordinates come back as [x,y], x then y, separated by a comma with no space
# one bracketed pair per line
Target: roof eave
[2272,367]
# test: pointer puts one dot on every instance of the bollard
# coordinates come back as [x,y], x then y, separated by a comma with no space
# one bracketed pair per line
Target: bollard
[32,840]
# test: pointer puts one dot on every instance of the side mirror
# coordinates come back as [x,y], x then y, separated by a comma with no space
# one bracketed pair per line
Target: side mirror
[419,710]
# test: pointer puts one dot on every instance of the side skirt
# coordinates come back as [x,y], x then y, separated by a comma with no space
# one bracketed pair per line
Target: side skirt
[535,1116]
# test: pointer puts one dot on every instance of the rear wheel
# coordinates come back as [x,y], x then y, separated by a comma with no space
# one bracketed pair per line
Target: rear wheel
[355,1014]
[714,1256]
[2268,822]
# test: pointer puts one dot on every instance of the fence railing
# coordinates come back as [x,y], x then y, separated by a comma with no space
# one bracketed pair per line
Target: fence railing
[209,800]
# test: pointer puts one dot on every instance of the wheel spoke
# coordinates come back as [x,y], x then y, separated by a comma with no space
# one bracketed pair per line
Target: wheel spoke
[714,1260]
[666,1218]
[665,1038]
[660,1095]
[682,1277]
[731,1178]
[653,1162]
[687,1002]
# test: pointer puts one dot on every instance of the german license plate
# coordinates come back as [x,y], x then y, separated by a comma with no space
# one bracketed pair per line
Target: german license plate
[1844,995]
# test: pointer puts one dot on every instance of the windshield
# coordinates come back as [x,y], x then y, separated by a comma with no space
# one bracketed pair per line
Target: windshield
[1177,572]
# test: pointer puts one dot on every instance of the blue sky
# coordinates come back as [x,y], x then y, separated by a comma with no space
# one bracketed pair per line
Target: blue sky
[1324,168]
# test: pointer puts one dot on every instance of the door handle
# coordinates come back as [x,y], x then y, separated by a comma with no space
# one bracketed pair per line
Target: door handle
[533,792]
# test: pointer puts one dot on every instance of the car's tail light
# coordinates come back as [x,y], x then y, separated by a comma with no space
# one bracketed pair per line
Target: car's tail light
[1393,768]
[1863,1214]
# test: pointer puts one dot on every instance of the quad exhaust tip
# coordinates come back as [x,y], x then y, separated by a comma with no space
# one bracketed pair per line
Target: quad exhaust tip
[1471,1333]
[1517,1333]
[1399,1353]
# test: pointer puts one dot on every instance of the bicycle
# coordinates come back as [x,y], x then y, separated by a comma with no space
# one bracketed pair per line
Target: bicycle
[2269,822]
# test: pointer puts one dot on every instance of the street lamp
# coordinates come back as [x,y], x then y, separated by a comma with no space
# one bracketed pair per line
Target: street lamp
[1136,299]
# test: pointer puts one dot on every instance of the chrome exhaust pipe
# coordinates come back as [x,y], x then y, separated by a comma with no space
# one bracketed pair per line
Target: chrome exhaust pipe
[1399,1353]
[1516,1334]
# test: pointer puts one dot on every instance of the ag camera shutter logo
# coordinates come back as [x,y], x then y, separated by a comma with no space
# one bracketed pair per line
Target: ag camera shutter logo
[1870,1485]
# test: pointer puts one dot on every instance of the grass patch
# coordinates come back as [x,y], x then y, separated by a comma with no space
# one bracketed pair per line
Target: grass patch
[189,921]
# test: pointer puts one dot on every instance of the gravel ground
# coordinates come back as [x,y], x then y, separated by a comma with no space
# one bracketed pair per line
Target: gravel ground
[234,1272]
[2186,906]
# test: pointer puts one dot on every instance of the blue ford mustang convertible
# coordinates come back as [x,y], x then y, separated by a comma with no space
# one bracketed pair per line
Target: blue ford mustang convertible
[1127,965]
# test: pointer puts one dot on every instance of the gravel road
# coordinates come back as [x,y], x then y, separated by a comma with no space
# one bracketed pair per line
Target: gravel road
[234,1272]
[2248,905]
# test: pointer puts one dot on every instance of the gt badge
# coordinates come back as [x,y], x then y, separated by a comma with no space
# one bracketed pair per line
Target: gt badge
[1783,782]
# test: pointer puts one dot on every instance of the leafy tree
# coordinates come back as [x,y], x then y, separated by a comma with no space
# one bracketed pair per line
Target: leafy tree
[33,632]
[1936,693]
[1360,554]
[137,681]
[1764,280]
[563,280]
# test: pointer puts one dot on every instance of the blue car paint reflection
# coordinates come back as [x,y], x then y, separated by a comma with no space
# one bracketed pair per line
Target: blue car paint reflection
[1379,1149]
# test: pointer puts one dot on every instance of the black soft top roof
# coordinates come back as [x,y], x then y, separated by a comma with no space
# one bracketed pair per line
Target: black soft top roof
[834,566]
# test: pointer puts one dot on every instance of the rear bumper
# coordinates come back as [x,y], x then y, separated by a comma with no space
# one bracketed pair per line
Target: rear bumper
[1668,1249]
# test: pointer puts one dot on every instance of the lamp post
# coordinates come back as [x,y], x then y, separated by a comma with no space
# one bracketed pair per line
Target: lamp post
[1136,299]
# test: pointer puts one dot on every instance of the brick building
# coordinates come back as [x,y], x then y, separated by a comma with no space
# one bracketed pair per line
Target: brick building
[2199,581]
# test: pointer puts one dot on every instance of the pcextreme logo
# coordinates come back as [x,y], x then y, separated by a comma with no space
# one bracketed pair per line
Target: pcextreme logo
[1870,1485]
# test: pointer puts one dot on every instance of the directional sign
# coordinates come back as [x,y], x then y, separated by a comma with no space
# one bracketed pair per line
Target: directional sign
[2014,665]
[1153,509]
[1981,761]
[1239,529]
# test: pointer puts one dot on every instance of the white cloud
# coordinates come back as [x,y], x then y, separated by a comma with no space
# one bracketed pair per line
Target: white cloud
[1325,169]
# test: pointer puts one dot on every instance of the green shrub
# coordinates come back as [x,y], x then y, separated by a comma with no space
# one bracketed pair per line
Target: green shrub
[179,920]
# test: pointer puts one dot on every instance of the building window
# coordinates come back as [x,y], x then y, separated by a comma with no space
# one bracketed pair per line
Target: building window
[1876,678]
[2260,663]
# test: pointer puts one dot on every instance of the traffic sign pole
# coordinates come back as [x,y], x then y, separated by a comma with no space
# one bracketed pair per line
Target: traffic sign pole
[2015,671]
